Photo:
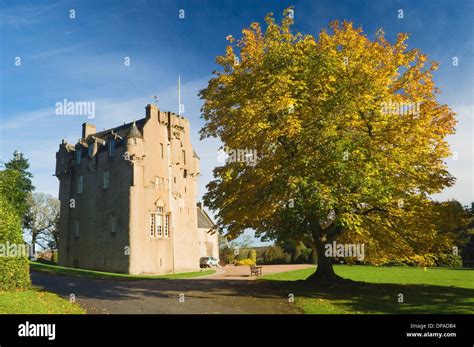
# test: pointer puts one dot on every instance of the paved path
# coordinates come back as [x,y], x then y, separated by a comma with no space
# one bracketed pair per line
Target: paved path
[223,292]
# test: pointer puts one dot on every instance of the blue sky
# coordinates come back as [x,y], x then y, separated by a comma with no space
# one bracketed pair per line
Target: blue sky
[82,59]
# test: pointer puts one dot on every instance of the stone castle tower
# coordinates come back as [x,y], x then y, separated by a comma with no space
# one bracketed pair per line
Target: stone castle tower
[128,198]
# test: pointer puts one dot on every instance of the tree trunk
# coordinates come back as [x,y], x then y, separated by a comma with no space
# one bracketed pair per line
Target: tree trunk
[324,270]
[33,245]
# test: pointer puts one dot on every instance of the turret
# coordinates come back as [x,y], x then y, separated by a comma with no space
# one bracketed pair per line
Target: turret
[134,141]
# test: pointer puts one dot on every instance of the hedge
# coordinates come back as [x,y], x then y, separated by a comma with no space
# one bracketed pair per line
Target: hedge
[14,269]
[14,273]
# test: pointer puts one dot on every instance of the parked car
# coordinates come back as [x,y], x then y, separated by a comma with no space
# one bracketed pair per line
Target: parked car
[208,262]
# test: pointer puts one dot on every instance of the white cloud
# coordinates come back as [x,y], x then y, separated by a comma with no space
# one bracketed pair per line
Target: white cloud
[22,15]
[461,164]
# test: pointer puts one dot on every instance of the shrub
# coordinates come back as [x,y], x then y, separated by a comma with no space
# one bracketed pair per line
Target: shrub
[448,260]
[14,270]
[55,257]
[276,255]
[244,262]
[253,255]
[227,255]
[241,255]
[14,273]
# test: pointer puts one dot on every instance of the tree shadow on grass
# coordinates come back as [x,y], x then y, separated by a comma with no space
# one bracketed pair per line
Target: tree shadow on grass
[349,296]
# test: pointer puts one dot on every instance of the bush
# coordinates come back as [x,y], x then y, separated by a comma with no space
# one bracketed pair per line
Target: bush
[448,260]
[14,269]
[276,255]
[227,255]
[55,257]
[253,255]
[243,254]
[244,262]
[14,273]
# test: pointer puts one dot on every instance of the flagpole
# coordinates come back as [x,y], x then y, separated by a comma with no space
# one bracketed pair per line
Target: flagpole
[179,95]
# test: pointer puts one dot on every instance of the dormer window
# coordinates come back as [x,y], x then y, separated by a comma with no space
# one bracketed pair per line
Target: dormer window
[89,150]
[78,156]
[112,147]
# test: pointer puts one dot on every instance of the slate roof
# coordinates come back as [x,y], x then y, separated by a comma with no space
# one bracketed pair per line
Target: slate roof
[204,221]
[122,130]
[134,132]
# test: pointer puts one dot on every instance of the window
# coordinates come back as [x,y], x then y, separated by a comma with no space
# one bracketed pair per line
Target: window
[159,222]
[152,224]
[80,184]
[78,156]
[89,150]
[113,224]
[76,228]
[162,152]
[185,173]
[112,147]
[106,179]
[183,154]
[167,226]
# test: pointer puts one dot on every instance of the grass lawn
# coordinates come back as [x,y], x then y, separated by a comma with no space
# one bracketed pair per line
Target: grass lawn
[60,270]
[376,290]
[34,301]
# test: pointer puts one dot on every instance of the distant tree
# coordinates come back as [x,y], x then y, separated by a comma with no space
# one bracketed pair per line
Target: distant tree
[42,217]
[452,221]
[276,255]
[24,185]
[54,242]
[298,250]
[348,134]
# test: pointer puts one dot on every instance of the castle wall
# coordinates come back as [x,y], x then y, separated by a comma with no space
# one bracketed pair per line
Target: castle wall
[162,180]
[146,175]
[96,247]
[150,255]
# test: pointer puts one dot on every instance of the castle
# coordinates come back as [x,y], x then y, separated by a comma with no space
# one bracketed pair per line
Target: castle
[128,199]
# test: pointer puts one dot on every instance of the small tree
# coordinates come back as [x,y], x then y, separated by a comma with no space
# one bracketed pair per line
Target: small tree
[24,186]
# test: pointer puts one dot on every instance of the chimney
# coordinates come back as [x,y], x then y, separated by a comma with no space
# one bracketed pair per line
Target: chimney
[88,129]
[151,111]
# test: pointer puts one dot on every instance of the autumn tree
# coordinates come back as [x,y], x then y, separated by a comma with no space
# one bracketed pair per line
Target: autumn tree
[349,137]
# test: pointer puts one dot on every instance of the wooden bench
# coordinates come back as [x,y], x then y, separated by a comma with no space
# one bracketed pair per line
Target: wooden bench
[255,270]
